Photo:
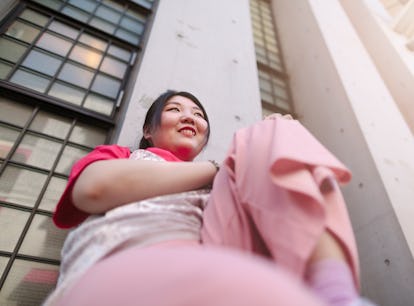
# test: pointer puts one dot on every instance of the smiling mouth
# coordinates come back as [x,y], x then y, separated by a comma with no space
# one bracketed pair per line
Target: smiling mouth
[187,132]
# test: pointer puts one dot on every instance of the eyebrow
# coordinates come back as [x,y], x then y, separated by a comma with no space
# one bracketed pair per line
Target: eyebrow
[178,103]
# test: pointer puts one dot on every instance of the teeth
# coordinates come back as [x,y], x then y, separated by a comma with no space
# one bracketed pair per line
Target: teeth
[188,132]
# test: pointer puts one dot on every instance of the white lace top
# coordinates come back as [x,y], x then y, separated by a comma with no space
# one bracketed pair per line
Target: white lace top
[159,219]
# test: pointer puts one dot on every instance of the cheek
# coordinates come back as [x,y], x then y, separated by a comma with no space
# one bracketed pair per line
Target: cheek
[202,127]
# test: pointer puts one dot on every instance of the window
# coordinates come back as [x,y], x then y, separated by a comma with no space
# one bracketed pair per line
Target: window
[63,66]
[273,80]
[47,55]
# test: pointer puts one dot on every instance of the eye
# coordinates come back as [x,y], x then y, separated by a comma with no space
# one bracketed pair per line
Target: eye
[199,114]
[172,109]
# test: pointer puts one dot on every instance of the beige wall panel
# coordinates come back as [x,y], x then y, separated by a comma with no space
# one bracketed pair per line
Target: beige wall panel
[388,51]
[205,47]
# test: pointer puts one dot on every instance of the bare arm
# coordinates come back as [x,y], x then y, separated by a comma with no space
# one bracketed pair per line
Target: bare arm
[106,184]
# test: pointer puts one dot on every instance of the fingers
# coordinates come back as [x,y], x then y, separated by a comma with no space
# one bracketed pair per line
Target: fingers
[278,115]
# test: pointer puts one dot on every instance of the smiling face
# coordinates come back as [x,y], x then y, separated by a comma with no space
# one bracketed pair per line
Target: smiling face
[183,129]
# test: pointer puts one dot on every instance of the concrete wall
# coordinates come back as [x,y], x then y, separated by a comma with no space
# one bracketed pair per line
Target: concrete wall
[393,60]
[205,47]
[340,96]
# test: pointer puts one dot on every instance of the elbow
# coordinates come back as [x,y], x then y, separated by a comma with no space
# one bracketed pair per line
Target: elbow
[88,197]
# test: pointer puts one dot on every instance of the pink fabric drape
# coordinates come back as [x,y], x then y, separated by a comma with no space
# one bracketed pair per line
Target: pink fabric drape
[276,194]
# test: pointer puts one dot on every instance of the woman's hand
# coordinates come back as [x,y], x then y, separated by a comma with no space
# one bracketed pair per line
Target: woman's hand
[278,115]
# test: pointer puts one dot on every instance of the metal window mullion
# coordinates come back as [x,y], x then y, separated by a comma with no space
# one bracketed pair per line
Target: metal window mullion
[262,30]
[16,92]
[282,64]
[38,259]
[123,14]
[16,206]
[65,58]
[18,140]
[88,90]
[31,45]
[6,162]
[34,208]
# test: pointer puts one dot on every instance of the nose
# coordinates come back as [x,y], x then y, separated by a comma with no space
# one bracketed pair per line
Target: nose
[187,118]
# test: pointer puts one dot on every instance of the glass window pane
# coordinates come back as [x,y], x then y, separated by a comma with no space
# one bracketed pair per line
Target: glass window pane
[281,103]
[99,104]
[265,85]
[267,97]
[10,50]
[53,4]
[137,16]
[5,69]
[51,124]
[53,192]
[28,283]
[42,62]
[87,135]
[276,65]
[54,44]
[113,5]
[12,222]
[34,17]
[119,52]
[7,138]
[21,186]
[70,155]
[75,13]
[264,75]
[102,25]
[128,36]
[132,25]
[113,67]
[22,31]
[86,56]
[13,112]
[144,3]
[43,239]
[108,14]
[93,41]
[280,92]
[106,86]
[30,80]
[261,59]
[64,29]
[37,151]
[76,75]
[86,5]
[68,93]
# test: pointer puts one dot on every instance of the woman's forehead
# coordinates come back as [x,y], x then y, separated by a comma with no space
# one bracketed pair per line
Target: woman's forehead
[182,101]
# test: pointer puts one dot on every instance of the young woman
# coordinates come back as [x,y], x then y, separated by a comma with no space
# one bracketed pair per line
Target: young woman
[273,230]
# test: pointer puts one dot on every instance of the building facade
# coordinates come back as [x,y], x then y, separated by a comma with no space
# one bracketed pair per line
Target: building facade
[74,74]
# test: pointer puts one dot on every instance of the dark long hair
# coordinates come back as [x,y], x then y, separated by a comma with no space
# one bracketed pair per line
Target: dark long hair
[153,116]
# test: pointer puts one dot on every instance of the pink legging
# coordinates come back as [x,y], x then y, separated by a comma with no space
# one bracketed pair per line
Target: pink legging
[274,196]
[186,275]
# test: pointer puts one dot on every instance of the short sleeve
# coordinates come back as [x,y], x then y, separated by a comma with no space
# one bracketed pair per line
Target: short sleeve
[66,214]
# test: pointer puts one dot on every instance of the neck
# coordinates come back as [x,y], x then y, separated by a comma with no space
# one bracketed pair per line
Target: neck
[165,154]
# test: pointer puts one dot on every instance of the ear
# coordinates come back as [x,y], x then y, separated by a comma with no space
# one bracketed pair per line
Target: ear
[147,133]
